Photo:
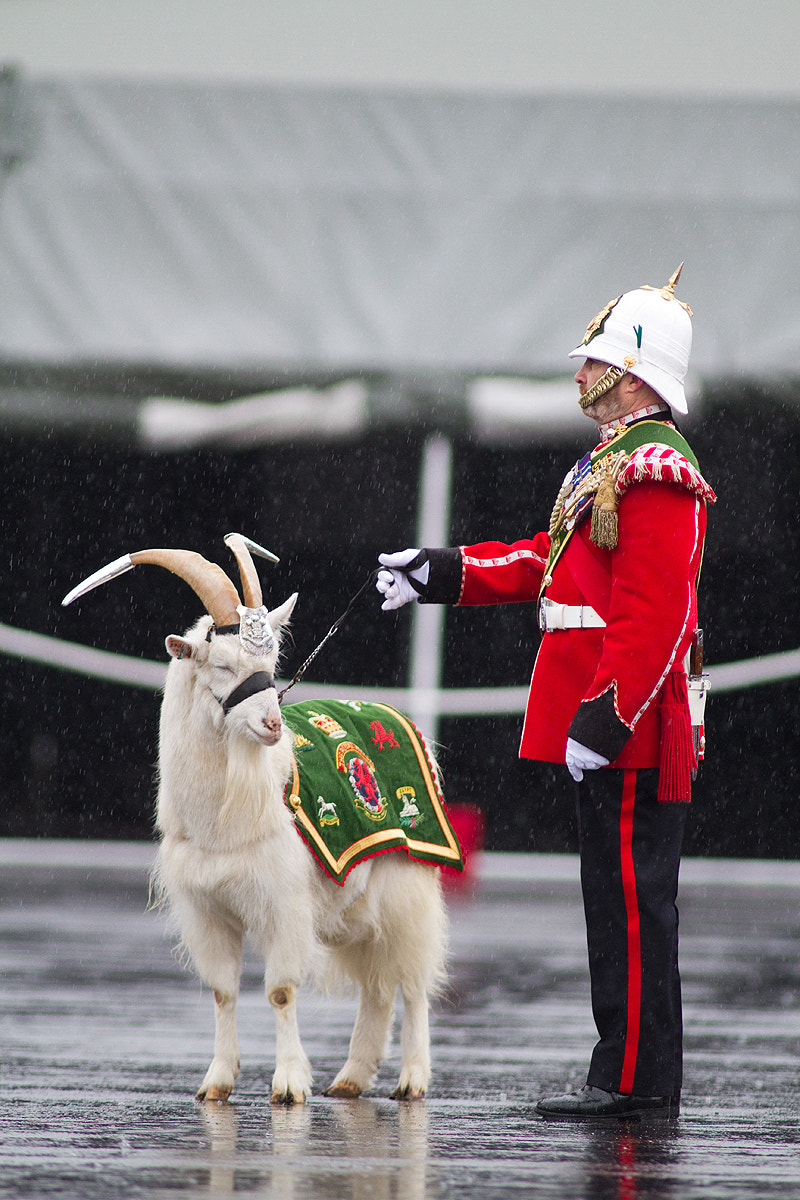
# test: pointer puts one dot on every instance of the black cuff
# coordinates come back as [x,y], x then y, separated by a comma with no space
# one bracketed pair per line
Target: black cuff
[597,726]
[444,580]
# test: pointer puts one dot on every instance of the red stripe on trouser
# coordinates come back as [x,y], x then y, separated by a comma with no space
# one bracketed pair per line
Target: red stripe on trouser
[634,938]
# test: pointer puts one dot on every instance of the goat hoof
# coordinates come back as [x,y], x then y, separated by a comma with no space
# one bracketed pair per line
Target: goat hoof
[213,1093]
[344,1091]
[286,1099]
[407,1093]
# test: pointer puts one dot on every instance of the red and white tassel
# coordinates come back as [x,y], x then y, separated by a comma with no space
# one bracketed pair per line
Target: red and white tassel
[677,757]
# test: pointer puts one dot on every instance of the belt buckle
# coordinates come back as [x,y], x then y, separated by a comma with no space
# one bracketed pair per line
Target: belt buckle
[544,605]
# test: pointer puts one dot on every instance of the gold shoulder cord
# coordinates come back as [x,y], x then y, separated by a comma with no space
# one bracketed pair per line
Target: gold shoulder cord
[604,530]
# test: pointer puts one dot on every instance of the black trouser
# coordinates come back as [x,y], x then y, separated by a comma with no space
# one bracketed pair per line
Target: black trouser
[630,847]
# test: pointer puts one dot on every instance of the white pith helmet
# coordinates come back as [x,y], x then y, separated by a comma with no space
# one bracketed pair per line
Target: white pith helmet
[647,332]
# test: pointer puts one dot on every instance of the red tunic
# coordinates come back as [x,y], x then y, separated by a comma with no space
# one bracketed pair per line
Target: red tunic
[644,590]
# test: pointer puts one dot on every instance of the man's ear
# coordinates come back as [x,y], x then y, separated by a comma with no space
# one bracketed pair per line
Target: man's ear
[178,647]
[644,392]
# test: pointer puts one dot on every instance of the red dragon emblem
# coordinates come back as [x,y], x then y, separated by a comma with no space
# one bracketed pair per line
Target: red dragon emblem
[365,785]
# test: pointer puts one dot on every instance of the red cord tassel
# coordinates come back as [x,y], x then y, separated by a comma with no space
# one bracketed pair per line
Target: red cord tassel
[677,757]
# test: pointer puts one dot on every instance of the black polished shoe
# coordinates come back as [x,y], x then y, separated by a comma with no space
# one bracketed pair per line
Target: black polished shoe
[594,1102]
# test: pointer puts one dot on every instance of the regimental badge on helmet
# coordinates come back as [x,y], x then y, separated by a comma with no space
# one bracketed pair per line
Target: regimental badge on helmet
[596,325]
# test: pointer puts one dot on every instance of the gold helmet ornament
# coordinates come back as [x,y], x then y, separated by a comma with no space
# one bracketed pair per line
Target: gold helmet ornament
[646,332]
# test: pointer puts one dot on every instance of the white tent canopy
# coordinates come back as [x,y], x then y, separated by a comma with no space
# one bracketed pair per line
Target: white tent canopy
[279,228]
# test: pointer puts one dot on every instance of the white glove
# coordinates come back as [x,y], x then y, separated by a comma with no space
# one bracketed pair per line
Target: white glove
[581,758]
[393,583]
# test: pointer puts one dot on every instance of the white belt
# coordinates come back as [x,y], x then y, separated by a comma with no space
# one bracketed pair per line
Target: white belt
[553,615]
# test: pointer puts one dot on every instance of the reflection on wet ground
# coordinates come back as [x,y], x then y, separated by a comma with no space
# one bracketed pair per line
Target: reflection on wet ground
[105,1038]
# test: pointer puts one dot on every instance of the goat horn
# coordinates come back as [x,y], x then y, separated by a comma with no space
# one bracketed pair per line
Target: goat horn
[209,582]
[118,567]
[241,547]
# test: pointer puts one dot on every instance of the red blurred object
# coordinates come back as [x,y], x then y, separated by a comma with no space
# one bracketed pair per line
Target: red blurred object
[469,826]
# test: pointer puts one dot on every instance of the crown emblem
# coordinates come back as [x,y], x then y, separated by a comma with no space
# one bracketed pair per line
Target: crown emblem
[328,725]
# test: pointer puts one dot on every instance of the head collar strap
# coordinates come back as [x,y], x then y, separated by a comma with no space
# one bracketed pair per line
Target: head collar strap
[259,681]
[220,629]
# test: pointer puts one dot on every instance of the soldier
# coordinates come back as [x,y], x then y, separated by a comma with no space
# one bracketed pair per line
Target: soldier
[615,580]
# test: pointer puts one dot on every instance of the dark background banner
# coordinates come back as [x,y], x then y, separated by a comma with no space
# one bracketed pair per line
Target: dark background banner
[79,754]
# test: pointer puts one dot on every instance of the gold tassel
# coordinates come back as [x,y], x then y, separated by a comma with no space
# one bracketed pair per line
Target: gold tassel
[604,531]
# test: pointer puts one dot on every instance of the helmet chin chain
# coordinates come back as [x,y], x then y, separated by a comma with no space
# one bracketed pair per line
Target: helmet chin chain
[607,381]
[604,384]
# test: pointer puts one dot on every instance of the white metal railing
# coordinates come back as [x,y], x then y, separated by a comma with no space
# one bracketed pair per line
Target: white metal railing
[430,702]
[424,698]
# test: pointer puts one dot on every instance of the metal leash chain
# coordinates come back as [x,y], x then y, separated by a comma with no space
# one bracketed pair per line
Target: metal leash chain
[303,668]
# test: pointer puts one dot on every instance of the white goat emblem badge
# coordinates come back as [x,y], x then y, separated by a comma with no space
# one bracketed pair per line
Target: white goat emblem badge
[327,814]
[255,631]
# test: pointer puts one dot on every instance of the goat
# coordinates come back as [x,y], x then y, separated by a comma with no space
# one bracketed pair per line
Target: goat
[230,862]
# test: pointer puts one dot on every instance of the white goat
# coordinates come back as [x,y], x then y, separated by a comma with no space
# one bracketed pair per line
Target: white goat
[231,863]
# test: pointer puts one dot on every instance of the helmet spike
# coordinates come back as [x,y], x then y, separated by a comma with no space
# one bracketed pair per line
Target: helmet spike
[673,279]
[668,290]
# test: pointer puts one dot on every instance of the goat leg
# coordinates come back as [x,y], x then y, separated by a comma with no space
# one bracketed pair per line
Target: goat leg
[415,1063]
[224,1068]
[215,948]
[367,1045]
[291,1082]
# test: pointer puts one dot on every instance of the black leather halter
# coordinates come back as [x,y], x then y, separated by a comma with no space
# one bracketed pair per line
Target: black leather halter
[259,681]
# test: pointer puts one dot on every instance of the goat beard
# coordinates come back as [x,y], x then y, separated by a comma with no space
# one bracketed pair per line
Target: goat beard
[245,790]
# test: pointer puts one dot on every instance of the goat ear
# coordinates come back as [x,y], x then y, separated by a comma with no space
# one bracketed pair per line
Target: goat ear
[279,616]
[178,647]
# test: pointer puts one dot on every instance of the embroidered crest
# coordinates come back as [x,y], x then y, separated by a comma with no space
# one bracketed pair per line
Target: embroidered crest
[360,771]
[301,742]
[326,812]
[328,725]
[410,815]
[365,785]
[595,326]
[382,737]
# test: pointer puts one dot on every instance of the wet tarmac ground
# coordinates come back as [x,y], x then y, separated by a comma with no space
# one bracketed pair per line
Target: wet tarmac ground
[105,1038]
